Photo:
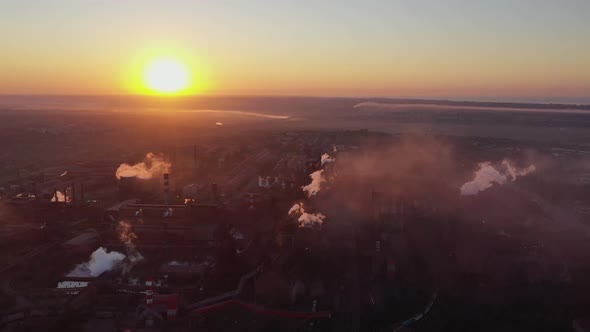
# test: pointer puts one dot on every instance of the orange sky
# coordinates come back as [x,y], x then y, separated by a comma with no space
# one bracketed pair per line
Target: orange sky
[406,49]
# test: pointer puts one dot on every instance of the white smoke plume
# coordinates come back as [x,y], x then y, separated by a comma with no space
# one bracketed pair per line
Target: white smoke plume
[487,175]
[100,261]
[307,220]
[327,159]
[219,123]
[317,178]
[484,178]
[152,166]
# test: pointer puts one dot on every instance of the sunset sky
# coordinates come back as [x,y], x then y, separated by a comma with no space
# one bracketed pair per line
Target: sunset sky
[411,48]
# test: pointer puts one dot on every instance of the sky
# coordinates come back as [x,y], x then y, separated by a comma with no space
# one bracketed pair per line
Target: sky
[391,48]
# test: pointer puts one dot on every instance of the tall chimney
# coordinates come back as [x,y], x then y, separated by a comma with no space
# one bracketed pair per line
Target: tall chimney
[66,195]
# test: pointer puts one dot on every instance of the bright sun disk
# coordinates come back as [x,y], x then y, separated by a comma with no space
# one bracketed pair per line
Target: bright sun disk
[166,76]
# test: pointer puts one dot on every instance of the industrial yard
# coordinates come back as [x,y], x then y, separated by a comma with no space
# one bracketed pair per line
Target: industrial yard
[302,230]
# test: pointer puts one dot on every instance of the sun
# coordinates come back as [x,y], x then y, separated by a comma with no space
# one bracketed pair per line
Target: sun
[166,76]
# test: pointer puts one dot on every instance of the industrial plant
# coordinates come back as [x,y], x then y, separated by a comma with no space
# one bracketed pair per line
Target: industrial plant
[295,230]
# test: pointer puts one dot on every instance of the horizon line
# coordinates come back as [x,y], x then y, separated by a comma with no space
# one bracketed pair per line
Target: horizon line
[499,99]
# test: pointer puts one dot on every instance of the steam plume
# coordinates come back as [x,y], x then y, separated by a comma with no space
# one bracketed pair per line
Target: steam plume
[317,178]
[487,175]
[152,166]
[100,261]
[484,178]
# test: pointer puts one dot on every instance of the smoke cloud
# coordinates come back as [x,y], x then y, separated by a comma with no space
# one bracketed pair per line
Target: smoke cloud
[152,166]
[306,220]
[317,178]
[484,178]
[487,175]
[100,261]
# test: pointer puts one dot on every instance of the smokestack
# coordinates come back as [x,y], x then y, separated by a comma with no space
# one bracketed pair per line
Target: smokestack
[66,195]
[166,186]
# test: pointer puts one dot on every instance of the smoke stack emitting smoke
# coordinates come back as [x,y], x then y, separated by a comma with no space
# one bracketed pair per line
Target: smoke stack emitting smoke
[152,166]
[487,175]
[317,178]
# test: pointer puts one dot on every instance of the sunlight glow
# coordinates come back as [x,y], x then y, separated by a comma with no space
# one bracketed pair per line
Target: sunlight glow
[166,76]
